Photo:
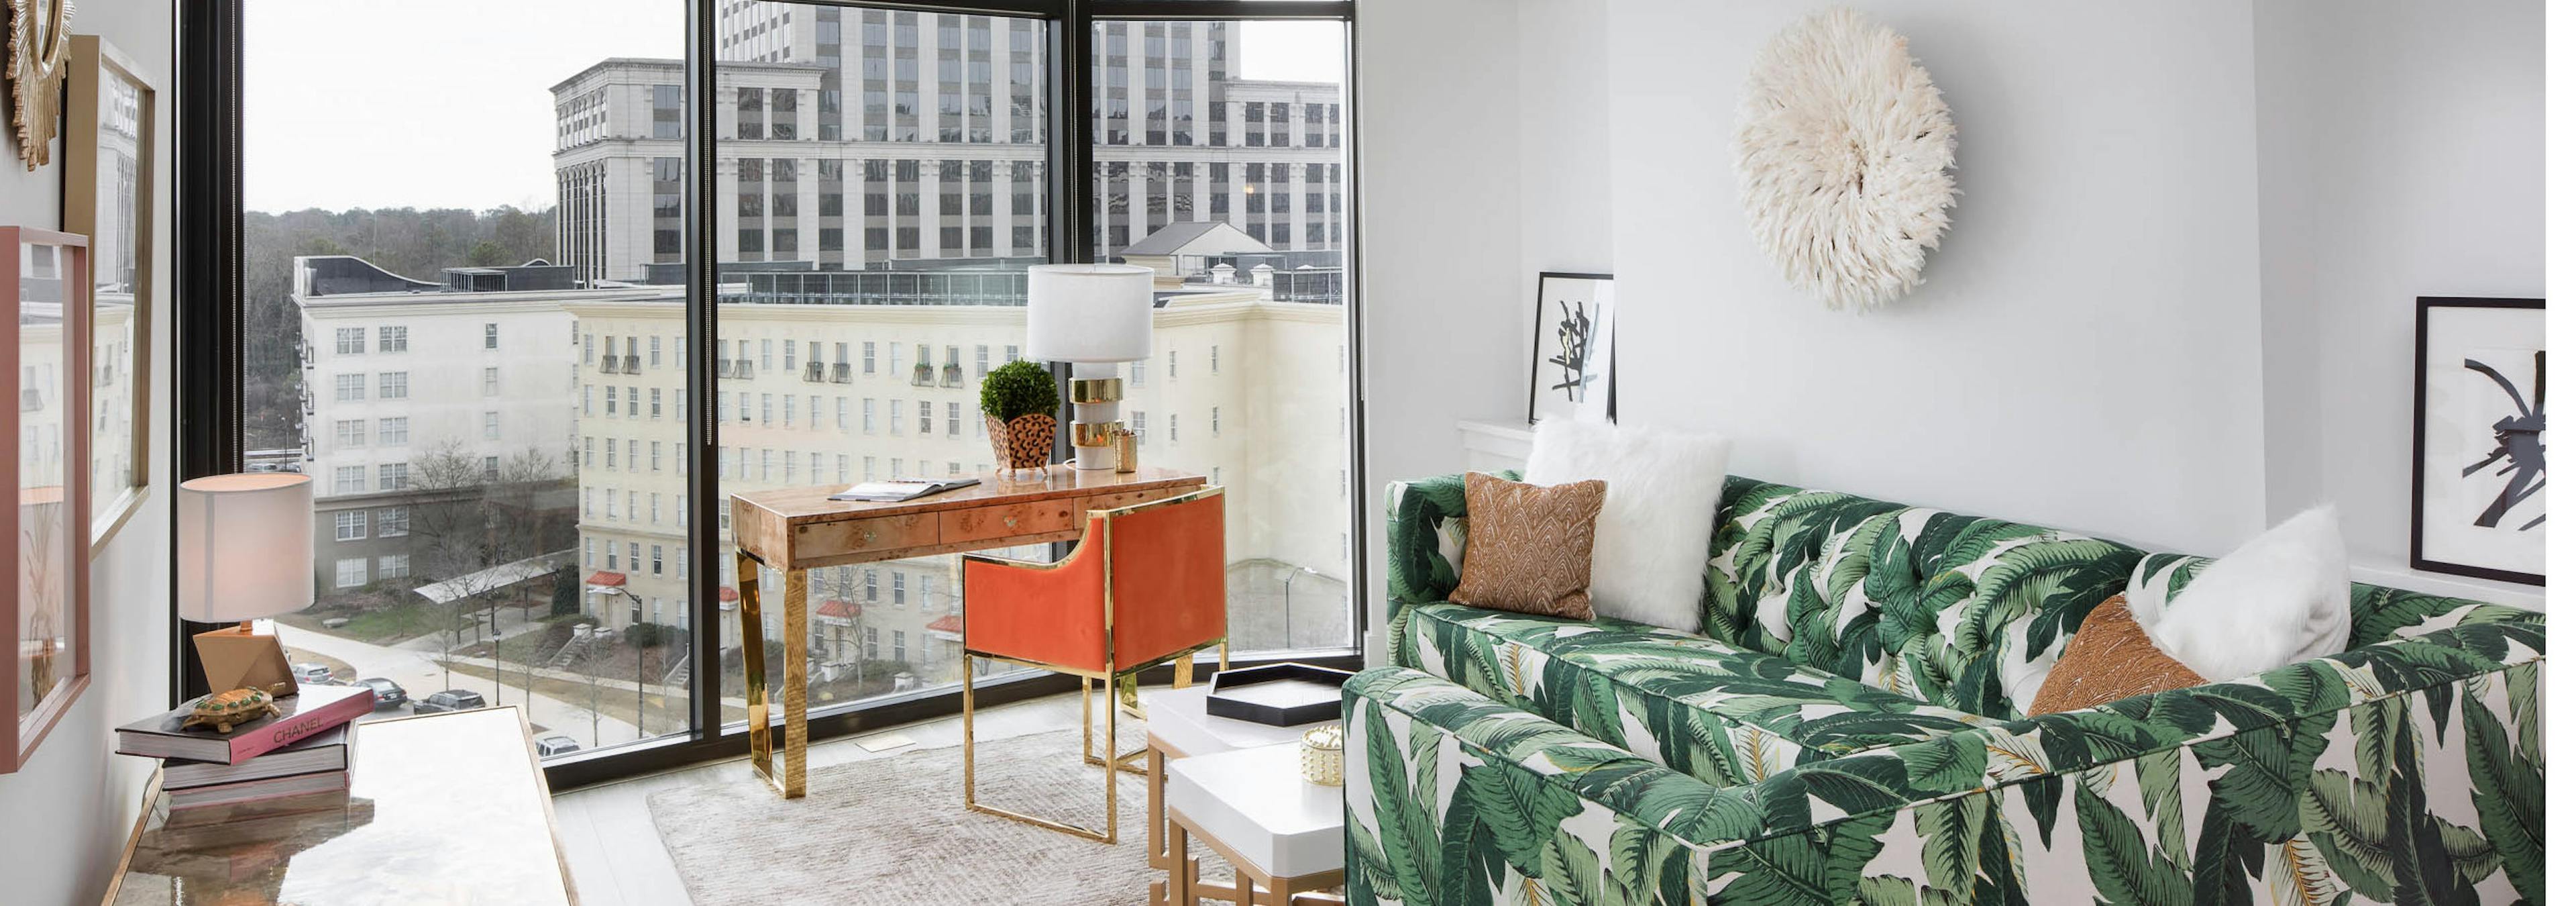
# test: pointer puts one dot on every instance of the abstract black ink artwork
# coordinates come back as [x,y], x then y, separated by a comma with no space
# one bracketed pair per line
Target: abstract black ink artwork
[1573,351]
[2517,454]
[2481,472]
[1573,364]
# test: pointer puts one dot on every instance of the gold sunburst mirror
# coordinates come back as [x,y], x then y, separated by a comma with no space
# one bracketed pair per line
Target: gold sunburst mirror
[40,40]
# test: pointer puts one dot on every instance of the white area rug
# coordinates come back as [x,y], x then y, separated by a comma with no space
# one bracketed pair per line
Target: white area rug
[896,831]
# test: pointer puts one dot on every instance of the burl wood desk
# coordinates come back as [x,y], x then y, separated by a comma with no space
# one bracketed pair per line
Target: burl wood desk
[798,529]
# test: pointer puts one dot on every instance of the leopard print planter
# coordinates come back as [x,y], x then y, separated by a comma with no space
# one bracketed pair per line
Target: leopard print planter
[1026,442]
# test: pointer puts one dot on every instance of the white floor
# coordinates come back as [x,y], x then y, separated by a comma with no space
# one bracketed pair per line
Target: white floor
[617,858]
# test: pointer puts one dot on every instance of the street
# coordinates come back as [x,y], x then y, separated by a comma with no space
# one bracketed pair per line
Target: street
[414,665]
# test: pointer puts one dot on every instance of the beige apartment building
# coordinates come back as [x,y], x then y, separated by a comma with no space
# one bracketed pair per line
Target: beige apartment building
[1241,388]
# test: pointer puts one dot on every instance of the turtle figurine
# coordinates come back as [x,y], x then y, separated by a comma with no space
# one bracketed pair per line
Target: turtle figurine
[226,710]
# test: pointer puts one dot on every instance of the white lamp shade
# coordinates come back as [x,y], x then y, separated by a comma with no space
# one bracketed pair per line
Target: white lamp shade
[245,546]
[1091,312]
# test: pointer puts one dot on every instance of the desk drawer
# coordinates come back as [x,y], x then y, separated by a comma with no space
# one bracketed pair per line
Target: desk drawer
[861,535]
[982,523]
[1131,498]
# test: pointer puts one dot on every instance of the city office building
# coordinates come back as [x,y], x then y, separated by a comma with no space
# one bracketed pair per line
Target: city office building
[852,138]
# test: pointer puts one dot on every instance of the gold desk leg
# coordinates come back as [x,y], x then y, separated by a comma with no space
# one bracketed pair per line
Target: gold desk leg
[966,671]
[788,779]
[793,684]
[754,672]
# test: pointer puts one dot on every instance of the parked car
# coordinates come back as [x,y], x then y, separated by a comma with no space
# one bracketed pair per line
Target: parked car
[450,700]
[556,744]
[388,695]
[314,674]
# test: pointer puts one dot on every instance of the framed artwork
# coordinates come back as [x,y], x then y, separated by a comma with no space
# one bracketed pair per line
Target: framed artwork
[47,608]
[2481,388]
[1571,354]
[108,194]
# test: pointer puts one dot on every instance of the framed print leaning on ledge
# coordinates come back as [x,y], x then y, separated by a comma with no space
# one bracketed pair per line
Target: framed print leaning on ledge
[1573,363]
[109,152]
[2481,397]
[46,607]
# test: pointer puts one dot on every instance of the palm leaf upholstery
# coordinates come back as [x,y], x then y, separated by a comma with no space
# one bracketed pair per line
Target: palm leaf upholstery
[1870,647]
[1697,705]
[1955,610]
[2405,771]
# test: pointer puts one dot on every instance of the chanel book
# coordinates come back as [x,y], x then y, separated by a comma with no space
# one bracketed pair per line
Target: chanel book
[313,710]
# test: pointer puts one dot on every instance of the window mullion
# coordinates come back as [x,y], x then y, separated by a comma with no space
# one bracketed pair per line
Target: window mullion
[698,224]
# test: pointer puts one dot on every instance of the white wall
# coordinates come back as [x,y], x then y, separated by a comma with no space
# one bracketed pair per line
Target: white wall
[2175,304]
[1565,175]
[2085,352]
[2400,148]
[1439,172]
[69,810]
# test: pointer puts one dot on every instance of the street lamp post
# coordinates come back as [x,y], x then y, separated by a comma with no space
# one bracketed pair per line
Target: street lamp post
[604,591]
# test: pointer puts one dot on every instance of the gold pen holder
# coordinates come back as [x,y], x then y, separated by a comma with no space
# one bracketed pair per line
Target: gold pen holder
[1125,441]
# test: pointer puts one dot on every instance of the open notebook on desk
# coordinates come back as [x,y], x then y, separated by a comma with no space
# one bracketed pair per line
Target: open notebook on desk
[900,489]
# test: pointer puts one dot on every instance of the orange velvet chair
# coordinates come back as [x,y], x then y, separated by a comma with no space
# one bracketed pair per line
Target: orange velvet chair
[1144,587]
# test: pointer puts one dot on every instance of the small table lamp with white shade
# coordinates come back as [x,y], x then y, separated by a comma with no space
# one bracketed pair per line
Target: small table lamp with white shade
[245,552]
[1093,316]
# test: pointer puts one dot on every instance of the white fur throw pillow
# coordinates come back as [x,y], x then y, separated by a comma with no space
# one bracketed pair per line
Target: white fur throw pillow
[1650,547]
[2283,598]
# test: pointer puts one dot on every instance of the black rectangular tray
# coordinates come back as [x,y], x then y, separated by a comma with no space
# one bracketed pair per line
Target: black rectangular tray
[1328,708]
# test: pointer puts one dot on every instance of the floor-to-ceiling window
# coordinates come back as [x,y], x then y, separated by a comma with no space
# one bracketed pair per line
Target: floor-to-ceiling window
[883,177]
[428,235]
[1218,160]
[465,311]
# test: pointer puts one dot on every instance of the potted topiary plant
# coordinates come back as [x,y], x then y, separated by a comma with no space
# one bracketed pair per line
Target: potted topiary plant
[1020,402]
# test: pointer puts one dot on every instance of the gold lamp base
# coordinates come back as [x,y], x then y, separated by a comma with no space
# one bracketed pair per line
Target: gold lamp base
[236,657]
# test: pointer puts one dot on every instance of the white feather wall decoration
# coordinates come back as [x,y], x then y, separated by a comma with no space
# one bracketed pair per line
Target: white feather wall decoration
[1843,150]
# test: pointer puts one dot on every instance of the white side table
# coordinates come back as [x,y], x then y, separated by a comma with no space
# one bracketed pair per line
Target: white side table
[1282,834]
[1177,725]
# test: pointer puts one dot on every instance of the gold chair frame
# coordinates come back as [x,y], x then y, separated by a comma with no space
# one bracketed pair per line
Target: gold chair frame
[1110,759]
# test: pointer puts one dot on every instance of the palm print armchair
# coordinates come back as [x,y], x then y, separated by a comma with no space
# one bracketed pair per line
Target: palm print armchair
[1846,730]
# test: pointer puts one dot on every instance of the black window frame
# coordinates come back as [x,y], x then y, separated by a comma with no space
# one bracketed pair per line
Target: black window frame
[208,379]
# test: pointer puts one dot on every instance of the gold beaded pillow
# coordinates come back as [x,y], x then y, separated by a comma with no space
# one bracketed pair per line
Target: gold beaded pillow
[1529,547]
[2109,659]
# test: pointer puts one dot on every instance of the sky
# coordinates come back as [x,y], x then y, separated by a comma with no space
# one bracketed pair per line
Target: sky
[394,103]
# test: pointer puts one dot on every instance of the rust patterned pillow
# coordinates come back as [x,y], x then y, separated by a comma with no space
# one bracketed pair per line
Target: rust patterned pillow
[1529,547]
[2109,659]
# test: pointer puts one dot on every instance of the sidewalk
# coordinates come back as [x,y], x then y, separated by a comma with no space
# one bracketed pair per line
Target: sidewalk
[511,622]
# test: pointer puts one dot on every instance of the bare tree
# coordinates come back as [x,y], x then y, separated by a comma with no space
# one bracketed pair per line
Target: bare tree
[474,515]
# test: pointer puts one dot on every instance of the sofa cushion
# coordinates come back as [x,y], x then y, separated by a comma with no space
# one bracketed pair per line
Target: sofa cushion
[1697,705]
[1960,611]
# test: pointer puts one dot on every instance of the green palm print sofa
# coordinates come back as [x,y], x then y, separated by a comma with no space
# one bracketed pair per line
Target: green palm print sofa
[1843,731]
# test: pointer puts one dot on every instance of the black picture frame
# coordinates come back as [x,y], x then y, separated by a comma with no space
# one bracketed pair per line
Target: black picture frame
[1538,329]
[2425,309]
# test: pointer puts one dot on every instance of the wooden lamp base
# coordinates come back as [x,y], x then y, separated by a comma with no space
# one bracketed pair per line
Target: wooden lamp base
[236,657]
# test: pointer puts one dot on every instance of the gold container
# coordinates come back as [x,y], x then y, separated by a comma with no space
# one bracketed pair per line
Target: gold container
[1126,443]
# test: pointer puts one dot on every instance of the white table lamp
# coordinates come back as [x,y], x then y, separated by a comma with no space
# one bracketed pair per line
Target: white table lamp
[245,552]
[1093,316]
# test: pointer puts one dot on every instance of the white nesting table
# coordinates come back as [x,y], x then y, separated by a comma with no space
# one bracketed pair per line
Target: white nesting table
[1282,834]
[1177,726]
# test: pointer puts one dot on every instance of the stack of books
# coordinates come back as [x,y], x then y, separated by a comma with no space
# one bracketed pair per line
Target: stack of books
[301,752]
